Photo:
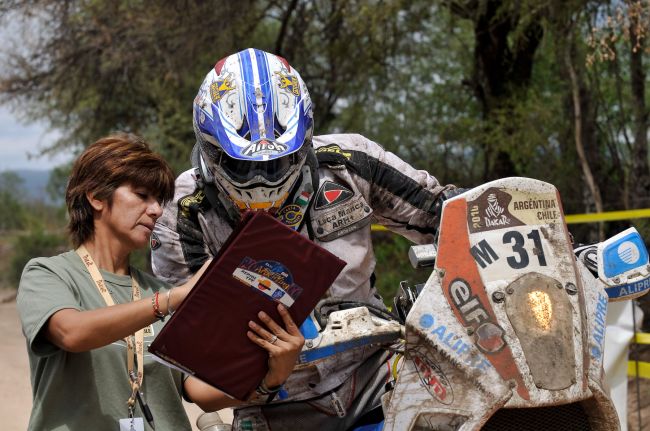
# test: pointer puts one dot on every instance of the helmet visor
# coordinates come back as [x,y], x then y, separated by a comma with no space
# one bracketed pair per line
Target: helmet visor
[269,171]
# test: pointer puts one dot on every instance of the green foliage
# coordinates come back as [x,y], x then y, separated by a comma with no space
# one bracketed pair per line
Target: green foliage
[37,242]
[13,215]
[393,265]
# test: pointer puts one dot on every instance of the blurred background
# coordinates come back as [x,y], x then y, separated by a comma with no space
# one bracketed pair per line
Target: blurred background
[469,90]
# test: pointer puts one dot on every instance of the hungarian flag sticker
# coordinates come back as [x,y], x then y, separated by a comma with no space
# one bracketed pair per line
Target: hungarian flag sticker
[330,194]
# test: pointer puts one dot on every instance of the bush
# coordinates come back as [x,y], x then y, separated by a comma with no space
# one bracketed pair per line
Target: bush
[33,244]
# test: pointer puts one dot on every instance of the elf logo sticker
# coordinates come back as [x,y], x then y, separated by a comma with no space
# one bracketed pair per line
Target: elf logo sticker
[331,194]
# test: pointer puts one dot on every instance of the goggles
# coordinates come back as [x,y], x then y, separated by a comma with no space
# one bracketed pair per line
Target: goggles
[245,172]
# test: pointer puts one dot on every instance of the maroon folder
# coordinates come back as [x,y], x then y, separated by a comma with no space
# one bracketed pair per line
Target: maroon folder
[262,263]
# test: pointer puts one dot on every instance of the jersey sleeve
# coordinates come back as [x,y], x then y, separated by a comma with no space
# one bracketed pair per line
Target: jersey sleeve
[403,199]
[178,247]
[41,293]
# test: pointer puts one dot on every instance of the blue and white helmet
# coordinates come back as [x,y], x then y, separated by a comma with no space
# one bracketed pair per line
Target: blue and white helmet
[253,122]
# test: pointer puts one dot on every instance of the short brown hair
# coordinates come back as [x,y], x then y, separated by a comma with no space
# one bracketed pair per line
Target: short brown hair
[104,166]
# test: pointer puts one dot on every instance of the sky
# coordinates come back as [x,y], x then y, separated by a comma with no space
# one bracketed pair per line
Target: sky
[20,144]
[19,140]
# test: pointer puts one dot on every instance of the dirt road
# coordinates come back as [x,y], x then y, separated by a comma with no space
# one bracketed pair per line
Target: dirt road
[15,388]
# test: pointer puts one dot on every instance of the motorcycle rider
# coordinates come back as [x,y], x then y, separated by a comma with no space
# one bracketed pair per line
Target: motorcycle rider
[255,150]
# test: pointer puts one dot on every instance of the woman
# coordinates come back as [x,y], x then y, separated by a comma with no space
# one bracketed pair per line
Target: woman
[88,315]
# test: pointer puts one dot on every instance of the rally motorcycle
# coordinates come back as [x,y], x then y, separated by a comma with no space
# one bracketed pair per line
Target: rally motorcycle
[508,332]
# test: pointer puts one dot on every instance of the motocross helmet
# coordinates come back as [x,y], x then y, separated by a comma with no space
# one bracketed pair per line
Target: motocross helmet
[253,123]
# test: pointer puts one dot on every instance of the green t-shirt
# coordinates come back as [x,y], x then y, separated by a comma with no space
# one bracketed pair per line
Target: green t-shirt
[89,390]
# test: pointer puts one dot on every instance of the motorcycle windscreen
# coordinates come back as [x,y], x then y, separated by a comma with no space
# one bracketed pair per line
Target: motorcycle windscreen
[541,315]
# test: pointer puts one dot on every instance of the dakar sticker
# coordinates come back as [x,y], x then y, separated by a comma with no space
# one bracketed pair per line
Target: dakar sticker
[221,86]
[154,241]
[264,148]
[490,211]
[330,194]
[333,148]
[288,82]
[433,379]
[270,278]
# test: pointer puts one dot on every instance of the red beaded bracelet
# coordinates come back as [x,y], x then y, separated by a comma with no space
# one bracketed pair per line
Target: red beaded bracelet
[156,308]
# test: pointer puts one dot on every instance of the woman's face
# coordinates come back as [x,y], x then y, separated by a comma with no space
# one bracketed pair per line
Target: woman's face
[132,216]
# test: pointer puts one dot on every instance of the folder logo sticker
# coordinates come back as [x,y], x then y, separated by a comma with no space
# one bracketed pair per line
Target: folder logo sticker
[269,278]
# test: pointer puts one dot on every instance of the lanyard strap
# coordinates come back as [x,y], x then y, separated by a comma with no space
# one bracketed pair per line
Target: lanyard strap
[134,343]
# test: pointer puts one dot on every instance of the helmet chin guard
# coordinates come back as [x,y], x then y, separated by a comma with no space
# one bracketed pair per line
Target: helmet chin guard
[253,123]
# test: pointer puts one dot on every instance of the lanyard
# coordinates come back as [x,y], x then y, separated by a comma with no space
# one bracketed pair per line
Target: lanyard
[134,343]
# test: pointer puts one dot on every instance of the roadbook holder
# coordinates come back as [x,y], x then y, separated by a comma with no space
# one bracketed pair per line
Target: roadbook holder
[262,263]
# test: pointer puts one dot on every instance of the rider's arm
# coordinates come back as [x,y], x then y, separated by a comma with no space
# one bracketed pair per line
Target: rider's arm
[179,245]
[283,354]
[403,199]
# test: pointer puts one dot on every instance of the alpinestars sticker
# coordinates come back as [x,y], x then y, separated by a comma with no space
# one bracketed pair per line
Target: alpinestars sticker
[331,193]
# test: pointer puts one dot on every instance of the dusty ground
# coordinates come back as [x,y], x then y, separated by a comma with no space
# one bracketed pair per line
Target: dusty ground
[15,391]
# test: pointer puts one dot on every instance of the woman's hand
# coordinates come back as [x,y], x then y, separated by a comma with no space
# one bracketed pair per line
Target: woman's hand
[283,344]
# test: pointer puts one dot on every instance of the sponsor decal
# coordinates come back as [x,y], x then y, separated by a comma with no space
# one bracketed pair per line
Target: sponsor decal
[433,379]
[333,148]
[622,253]
[489,335]
[264,148]
[288,82]
[453,341]
[221,86]
[190,201]
[291,215]
[154,241]
[330,194]
[599,327]
[270,278]
[631,290]
[490,211]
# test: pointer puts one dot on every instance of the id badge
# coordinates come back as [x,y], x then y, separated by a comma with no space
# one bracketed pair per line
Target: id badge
[131,424]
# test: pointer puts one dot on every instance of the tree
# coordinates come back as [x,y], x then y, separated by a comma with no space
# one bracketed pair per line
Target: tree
[96,67]
[13,214]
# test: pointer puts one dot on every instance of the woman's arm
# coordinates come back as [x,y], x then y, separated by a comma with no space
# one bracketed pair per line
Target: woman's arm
[80,331]
[283,353]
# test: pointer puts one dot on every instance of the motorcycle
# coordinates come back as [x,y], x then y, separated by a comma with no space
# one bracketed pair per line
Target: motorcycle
[508,332]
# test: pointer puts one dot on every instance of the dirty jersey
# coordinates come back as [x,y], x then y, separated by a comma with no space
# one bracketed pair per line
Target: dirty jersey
[89,390]
[359,184]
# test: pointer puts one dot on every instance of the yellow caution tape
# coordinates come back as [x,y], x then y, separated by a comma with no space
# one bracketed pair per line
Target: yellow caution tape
[585,218]
[641,338]
[607,216]
[644,369]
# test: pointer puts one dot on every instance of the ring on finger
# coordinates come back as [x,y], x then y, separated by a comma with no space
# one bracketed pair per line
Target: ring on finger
[273,339]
